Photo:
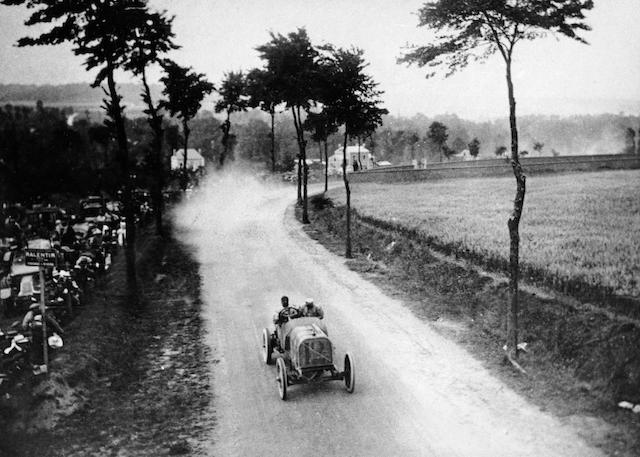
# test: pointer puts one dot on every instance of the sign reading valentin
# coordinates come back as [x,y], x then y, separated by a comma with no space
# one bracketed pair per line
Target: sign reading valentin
[40,257]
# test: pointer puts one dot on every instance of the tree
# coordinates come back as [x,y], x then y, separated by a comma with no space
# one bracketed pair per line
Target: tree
[630,141]
[474,30]
[184,90]
[262,89]
[437,135]
[353,103]
[458,145]
[321,127]
[251,143]
[104,32]
[448,152]
[292,60]
[537,146]
[500,151]
[68,157]
[474,148]
[412,139]
[233,98]
[153,38]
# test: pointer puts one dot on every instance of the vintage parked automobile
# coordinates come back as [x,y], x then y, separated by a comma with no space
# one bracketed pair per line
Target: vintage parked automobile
[305,355]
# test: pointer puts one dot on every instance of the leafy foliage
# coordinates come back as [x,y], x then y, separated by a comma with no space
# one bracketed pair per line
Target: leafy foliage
[354,99]
[469,30]
[233,93]
[233,98]
[262,90]
[41,154]
[474,147]
[291,63]
[437,136]
[185,90]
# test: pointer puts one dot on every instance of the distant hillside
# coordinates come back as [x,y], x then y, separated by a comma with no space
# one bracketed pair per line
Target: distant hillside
[78,94]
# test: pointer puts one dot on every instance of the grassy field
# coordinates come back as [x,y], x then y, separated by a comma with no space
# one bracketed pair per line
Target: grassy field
[583,226]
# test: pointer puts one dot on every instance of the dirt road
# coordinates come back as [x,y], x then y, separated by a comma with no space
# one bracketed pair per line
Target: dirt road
[417,394]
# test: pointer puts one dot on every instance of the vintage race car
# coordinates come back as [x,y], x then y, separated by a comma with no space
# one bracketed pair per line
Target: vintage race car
[305,355]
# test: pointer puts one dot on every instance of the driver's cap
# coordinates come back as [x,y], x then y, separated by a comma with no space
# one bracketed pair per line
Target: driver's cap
[308,301]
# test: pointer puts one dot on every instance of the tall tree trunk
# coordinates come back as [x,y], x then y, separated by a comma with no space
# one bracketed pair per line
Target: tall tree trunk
[299,156]
[123,156]
[226,128]
[155,122]
[347,251]
[513,223]
[185,173]
[305,171]
[299,181]
[272,112]
[326,166]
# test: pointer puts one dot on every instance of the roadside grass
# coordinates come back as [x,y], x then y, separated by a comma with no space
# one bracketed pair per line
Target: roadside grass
[581,360]
[580,233]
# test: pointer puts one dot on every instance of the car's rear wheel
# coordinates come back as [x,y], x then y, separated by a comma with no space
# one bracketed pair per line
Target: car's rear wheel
[349,373]
[281,378]
[267,347]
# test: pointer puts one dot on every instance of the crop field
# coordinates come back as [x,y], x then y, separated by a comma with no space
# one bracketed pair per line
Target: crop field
[583,226]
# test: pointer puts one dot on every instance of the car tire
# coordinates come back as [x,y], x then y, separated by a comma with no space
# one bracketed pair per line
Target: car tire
[281,379]
[349,373]
[267,347]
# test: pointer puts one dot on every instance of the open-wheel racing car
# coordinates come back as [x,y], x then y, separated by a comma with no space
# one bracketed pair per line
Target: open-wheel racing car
[306,355]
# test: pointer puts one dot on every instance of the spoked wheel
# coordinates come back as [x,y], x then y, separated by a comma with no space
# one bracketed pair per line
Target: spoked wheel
[281,378]
[267,347]
[349,373]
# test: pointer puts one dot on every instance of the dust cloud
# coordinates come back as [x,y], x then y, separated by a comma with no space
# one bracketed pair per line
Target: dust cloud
[226,201]
[231,214]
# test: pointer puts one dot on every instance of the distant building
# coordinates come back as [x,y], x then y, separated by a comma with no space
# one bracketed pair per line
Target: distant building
[358,158]
[461,156]
[194,159]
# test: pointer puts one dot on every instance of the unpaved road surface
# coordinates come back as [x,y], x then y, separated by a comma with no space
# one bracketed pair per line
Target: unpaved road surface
[417,393]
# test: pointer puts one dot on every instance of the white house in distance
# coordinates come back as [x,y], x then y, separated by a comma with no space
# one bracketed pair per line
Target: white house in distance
[462,155]
[194,159]
[355,155]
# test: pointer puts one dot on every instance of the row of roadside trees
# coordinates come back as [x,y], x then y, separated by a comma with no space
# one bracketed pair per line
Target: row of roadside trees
[324,88]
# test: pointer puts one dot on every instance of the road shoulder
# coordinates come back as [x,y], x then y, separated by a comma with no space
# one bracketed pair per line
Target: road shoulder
[462,305]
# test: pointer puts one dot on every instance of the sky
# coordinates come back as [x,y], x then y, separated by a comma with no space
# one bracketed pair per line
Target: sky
[551,75]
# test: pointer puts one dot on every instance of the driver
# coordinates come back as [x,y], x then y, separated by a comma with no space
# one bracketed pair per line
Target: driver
[287,312]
